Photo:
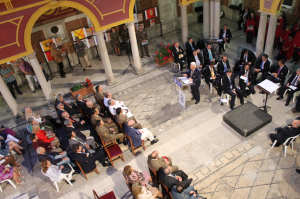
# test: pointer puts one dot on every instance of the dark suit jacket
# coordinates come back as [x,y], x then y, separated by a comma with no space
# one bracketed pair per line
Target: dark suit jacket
[192,59]
[220,67]
[282,74]
[189,50]
[86,163]
[242,12]
[71,111]
[250,76]
[77,132]
[207,73]
[44,156]
[226,83]
[228,34]
[206,56]
[176,53]
[266,66]
[81,105]
[250,58]
[77,125]
[88,111]
[286,133]
[134,134]
[59,113]
[196,76]
[292,77]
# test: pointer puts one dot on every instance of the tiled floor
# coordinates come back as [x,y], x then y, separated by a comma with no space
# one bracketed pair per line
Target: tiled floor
[222,163]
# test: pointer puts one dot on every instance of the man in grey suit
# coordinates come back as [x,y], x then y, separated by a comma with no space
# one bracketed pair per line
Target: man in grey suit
[73,139]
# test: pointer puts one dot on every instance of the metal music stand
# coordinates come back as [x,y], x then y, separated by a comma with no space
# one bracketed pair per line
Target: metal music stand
[267,87]
[128,52]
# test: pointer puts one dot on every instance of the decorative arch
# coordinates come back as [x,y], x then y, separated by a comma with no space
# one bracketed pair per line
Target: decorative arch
[270,6]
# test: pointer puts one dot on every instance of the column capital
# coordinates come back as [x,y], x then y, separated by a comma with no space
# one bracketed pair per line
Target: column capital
[182,6]
[31,56]
[274,16]
[130,23]
[99,33]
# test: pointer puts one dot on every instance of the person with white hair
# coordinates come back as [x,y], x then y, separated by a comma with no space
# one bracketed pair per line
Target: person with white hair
[47,120]
[80,102]
[55,158]
[194,75]
[70,108]
[113,105]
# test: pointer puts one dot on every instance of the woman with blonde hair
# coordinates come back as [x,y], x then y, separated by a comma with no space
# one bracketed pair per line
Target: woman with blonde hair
[133,176]
[141,192]
[44,136]
[55,172]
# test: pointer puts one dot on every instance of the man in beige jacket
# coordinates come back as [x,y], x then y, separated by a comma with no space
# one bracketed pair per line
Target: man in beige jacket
[56,54]
[156,162]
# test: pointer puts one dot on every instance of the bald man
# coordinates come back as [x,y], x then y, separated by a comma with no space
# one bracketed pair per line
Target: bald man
[194,76]
[282,134]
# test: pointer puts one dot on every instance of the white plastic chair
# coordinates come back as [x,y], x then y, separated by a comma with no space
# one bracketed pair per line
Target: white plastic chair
[250,93]
[10,182]
[294,96]
[65,177]
[286,143]
[227,95]
[285,79]
[270,61]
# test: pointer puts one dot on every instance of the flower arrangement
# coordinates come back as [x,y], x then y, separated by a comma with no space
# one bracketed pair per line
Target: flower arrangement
[77,87]
[164,53]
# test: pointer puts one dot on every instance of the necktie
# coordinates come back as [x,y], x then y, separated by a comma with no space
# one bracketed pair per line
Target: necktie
[65,103]
[192,73]
[225,67]
[197,60]
[210,57]
[71,120]
[180,55]
[229,83]
[279,70]
[245,60]
[212,72]
[247,77]
[192,46]
[294,82]
[262,65]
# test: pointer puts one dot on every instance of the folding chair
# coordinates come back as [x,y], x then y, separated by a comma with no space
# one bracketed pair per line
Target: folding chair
[10,182]
[165,190]
[127,183]
[154,175]
[286,143]
[86,173]
[227,96]
[133,148]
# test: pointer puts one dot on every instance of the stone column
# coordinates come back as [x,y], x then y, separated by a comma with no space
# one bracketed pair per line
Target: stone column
[206,19]
[271,35]
[134,48]
[212,18]
[11,102]
[217,19]
[261,33]
[105,59]
[41,77]
[184,23]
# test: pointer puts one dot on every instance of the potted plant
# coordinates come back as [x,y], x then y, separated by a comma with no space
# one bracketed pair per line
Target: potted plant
[164,55]
[82,88]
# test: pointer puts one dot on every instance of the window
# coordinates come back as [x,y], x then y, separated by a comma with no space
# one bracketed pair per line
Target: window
[287,4]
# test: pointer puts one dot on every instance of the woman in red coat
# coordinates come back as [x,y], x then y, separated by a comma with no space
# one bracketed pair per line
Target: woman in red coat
[279,27]
[288,47]
[284,36]
[296,54]
[250,27]
[296,26]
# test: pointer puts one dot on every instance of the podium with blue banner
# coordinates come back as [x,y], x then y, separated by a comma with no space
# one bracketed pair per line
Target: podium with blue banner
[183,90]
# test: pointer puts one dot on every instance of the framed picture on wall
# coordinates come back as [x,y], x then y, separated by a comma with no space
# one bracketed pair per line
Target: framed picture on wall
[151,13]
[46,45]
[80,33]
[48,56]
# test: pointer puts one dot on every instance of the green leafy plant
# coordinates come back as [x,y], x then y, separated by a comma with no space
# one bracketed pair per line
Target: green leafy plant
[164,53]
[77,87]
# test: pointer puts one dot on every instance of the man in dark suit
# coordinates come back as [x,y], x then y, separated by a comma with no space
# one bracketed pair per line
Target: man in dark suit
[170,179]
[89,107]
[73,139]
[248,82]
[178,54]
[280,72]
[262,66]
[71,109]
[55,158]
[225,34]
[197,58]
[80,102]
[292,81]
[247,56]
[244,16]
[282,134]
[87,161]
[190,47]
[223,66]
[211,76]
[209,55]
[77,125]
[229,87]
[138,135]
[194,76]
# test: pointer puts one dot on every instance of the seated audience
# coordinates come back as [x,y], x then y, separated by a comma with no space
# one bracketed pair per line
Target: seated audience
[230,88]
[45,120]
[71,109]
[122,118]
[88,108]
[138,135]
[86,161]
[107,98]
[133,176]
[284,36]
[108,122]
[209,55]
[141,192]
[296,55]
[8,131]
[179,192]
[262,66]
[45,136]
[108,134]
[197,58]
[282,134]
[55,158]
[77,125]
[73,139]
[82,134]
[99,93]
[47,145]
[178,54]
[225,35]
[113,105]
[211,76]
[156,162]
[292,81]
[54,172]
[6,173]
[170,179]
[223,66]
[190,47]
[279,74]
[9,159]
[247,56]
[80,102]
[12,144]
[248,74]
[287,49]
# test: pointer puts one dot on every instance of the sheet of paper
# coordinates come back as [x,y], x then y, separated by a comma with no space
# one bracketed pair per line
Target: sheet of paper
[146,42]
[268,86]
[185,80]
[223,100]
[292,87]
[243,78]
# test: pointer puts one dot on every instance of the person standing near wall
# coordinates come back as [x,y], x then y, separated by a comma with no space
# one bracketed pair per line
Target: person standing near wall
[27,69]
[84,61]
[9,77]
[56,54]
[142,38]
